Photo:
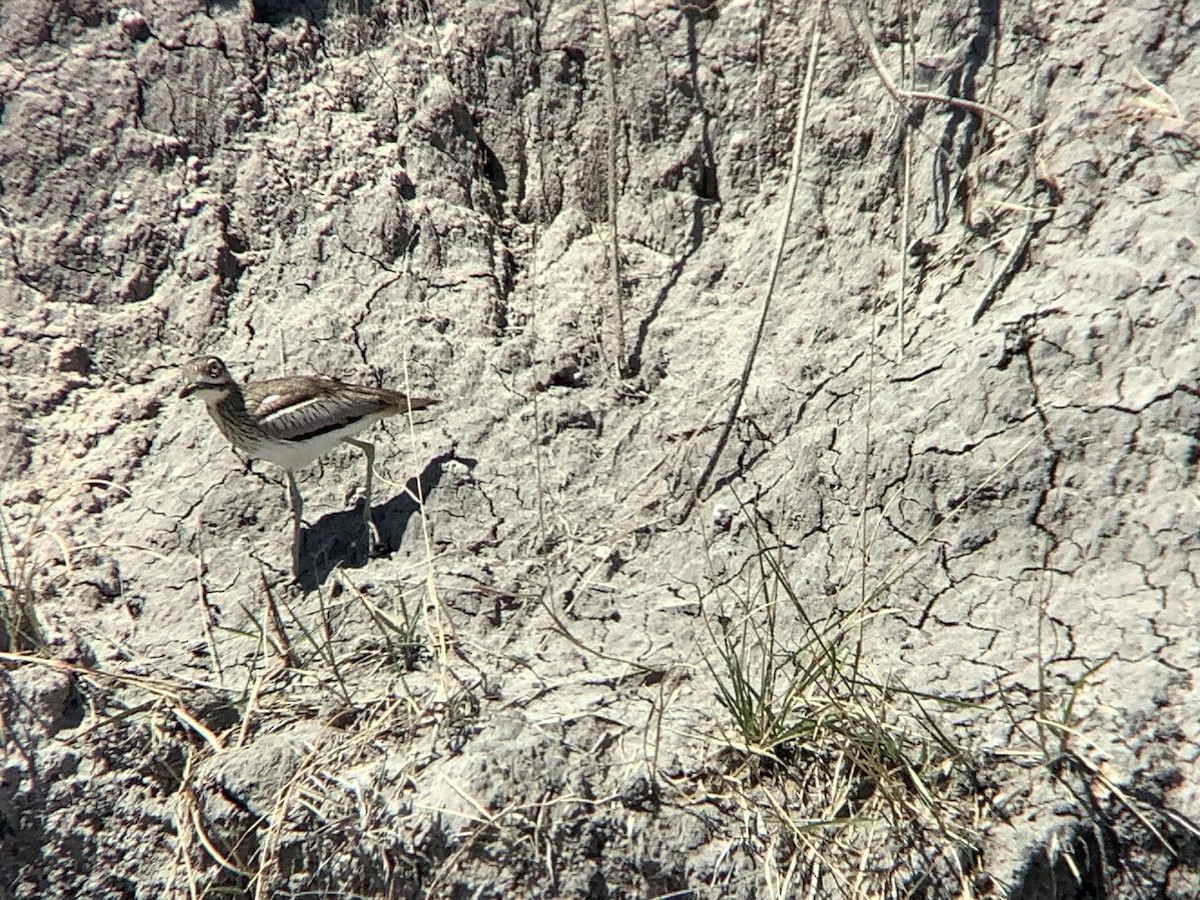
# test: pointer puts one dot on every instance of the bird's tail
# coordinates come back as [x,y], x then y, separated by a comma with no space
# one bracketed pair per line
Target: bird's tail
[417,403]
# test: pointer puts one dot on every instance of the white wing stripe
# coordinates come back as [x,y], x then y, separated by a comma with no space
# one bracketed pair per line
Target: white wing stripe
[291,410]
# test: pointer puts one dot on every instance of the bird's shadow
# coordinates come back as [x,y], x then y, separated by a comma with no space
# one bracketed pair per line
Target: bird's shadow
[339,539]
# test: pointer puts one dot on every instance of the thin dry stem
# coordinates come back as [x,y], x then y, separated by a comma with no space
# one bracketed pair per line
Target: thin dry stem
[614,248]
[776,264]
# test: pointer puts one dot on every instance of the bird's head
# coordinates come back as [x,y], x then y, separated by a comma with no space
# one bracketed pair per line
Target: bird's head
[207,377]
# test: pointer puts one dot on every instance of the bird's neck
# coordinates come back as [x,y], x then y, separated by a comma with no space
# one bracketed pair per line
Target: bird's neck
[228,408]
[231,401]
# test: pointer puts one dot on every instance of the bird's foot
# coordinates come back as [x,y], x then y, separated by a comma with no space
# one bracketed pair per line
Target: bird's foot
[374,542]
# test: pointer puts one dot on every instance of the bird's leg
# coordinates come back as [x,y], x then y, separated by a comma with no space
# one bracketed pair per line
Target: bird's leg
[369,450]
[297,515]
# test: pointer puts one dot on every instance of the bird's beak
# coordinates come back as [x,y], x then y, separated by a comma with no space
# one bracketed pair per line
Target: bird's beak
[188,390]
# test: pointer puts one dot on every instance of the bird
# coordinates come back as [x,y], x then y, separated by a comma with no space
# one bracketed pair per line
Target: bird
[292,421]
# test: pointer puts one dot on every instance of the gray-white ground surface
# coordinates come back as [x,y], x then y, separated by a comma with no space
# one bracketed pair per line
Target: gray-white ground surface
[963,465]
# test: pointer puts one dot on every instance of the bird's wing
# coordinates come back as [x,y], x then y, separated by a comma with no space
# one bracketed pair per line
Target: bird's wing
[293,409]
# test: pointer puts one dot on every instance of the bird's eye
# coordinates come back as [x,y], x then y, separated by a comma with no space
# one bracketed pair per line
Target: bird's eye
[214,368]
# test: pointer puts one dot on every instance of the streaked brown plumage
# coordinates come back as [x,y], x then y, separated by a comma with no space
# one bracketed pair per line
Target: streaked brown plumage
[292,421]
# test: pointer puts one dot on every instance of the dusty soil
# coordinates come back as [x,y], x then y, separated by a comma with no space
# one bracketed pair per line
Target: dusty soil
[907,606]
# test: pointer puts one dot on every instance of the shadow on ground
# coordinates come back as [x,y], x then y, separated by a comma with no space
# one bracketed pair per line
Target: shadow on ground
[337,539]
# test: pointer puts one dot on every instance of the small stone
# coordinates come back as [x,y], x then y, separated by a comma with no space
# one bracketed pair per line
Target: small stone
[134,24]
[722,517]
[73,357]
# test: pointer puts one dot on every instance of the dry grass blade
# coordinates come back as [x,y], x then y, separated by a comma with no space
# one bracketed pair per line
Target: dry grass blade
[438,625]
[614,248]
[1160,105]
[776,264]
[20,629]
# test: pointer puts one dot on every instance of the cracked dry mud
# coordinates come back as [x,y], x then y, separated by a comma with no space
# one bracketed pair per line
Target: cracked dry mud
[994,499]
